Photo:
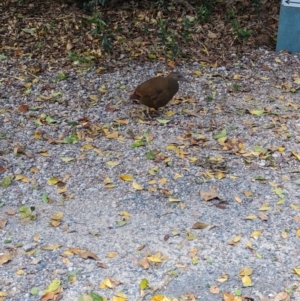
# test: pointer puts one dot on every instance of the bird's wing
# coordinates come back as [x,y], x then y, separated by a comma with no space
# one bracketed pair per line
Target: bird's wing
[162,99]
[148,91]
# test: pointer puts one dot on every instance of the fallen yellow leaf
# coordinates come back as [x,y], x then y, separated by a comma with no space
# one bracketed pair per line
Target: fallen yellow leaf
[137,186]
[255,234]
[246,280]
[112,163]
[125,177]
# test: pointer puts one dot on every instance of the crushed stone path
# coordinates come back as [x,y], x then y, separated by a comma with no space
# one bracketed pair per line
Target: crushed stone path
[91,173]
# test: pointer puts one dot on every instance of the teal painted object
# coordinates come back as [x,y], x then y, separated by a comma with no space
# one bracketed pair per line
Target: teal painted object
[289,26]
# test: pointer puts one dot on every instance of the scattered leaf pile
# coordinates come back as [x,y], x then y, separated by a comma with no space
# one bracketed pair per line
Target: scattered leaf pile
[210,31]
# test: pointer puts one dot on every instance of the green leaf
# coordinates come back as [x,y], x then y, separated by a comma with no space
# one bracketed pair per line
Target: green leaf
[71,139]
[25,212]
[23,209]
[45,198]
[121,223]
[191,236]
[297,181]
[34,291]
[257,112]
[151,56]
[144,284]
[195,260]
[150,155]
[50,120]
[220,135]
[173,273]
[163,121]
[259,149]
[67,159]
[56,94]
[61,76]
[279,192]
[137,143]
[35,108]
[53,286]
[6,182]
[29,30]
[3,136]
[238,292]
[95,296]
[38,122]
[2,57]
[259,178]
[209,260]
[72,123]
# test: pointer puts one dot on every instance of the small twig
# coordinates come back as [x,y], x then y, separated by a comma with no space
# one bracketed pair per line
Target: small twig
[51,19]
[14,77]
[35,76]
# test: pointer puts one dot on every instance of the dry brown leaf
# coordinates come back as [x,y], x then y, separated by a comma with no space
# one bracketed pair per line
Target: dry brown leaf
[297,219]
[238,199]
[144,263]
[263,217]
[62,189]
[102,265]
[282,296]
[248,193]
[199,225]
[211,35]
[140,248]
[3,223]
[113,135]
[112,255]
[228,297]
[245,271]
[284,234]
[51,247]
[5,257]
[89,254]
[54,223]
[23,108]
[214,289]
[57,216]
[209,195]
[223,279]
[48,296]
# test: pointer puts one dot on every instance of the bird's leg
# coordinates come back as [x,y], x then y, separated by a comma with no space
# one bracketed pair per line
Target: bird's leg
[148,113]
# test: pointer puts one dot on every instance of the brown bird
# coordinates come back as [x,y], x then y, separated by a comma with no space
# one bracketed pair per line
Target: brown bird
[156,92]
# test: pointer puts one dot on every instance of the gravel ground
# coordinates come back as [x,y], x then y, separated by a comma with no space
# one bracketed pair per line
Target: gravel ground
[66,155]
